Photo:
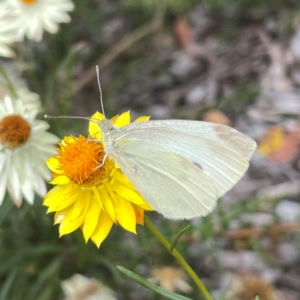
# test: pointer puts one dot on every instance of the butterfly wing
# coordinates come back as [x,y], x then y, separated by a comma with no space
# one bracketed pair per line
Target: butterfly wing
[220,151]
[171,184]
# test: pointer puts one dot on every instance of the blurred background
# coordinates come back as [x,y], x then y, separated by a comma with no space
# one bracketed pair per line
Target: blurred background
[225,61]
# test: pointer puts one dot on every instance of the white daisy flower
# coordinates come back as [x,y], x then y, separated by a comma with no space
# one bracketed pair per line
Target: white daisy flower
[8,31]
[35,16]
[24,147]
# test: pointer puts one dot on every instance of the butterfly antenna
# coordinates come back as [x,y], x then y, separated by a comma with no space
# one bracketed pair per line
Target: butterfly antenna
[71,117]
[99,85]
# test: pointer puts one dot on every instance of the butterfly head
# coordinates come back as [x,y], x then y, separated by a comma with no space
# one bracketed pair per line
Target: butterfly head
[108,131]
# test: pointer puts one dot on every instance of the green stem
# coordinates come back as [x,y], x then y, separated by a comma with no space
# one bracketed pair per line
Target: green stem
[179,258]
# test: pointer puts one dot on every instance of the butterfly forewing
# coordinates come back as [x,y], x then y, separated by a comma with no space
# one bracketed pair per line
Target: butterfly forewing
[222,135]
[221,151]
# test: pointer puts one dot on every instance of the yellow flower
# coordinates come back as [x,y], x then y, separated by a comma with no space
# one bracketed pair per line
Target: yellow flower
[91,195]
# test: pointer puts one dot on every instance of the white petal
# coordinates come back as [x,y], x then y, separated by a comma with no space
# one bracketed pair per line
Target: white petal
[14,184]
[49,138]
[35,30]
[50,26]
[27,190]
[40,188]
[42,169]
[6,51]
[3,158]
[17,199]
[38,125]
[3,185]
[8,105]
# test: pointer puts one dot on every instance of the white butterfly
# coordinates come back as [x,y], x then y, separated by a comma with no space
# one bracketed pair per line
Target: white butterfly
[180,167]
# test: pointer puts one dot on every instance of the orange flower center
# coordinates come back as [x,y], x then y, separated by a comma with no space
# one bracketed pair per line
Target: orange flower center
[81,160]
[29,1]
[14,131]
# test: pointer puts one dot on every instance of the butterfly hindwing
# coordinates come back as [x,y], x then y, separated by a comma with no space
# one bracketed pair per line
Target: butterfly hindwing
[171,184]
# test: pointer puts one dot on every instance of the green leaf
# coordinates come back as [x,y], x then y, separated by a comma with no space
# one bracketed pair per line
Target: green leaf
[178,235]
[153,287]
[46,275]
[7,284]
[21,257]
[5,209]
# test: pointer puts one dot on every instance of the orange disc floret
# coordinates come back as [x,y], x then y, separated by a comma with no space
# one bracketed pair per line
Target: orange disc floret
[14,131]
[81,160]
[29,1]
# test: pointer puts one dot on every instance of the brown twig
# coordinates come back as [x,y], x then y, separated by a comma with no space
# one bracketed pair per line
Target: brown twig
[250,232]
[258,231]
[115,51]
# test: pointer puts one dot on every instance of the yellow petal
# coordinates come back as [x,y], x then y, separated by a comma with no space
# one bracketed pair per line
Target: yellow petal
[68,139]
[145,206]
[78,208]
[139,214]
[102,229]
[57,192]
[60,215]
[114,119]
[52,194]
[61,201]
[125,214]
[87,198]
[91,219]
[116,173]
[126,193]
[142,119]
[108,205]
[97,196]
[60,180]
[123,120]
[94,129]
[53,164]
[68,226]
